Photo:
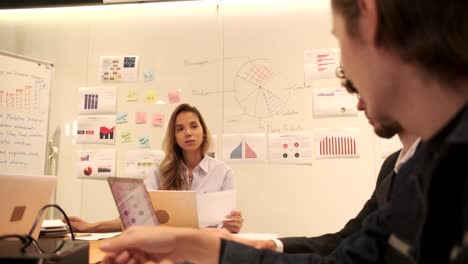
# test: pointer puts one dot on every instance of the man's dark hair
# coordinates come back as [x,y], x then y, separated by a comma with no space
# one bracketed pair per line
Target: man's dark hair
[432,34]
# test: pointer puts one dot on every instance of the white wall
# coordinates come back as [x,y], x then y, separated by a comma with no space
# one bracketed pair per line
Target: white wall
[284,199]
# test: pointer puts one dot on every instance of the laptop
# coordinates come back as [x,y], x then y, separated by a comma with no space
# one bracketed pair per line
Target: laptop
[175,208]
[132,201]
[22,197]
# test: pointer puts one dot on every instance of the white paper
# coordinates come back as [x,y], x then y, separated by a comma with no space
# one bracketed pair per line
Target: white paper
[96,129]
[334,102]
[337,143]
[95,236]
[321,63]
[291,148]
[95,164]
[214,206]
[119,68]
[52,223]
[141,163]
[244,147]
[97,100]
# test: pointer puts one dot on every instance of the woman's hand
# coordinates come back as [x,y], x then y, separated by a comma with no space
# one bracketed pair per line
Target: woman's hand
[233,222]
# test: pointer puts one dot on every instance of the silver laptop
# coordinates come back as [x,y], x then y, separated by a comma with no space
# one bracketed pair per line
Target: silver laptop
[133,202]
[22,197]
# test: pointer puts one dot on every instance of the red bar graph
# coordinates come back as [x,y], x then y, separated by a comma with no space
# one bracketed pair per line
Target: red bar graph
[337,146]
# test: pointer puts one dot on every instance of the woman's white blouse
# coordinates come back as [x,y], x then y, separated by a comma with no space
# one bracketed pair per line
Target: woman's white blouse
[211,175]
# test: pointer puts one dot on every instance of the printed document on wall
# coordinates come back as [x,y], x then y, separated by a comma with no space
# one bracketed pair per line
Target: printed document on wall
[96,164]
[95,129]
[142,163]
[337,142]
[321,63]
[97,100]
[291,148]
[334,102]
[244,147]
[119,69]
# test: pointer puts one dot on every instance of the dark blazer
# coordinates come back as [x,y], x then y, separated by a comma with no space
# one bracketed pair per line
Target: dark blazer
[325,244]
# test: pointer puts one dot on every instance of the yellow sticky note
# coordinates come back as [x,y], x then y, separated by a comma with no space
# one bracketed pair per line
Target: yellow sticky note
[132,95]
[151,97]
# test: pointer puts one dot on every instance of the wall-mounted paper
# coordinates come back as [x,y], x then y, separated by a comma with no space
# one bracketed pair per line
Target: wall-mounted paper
[151,97]
[174,97]
[96,164]
[122,117]
[142,163]
[244,147]
[321,63]
[157,119]
[119,68]
[126,136]
[148,75]
[95,129]
[337,143]
[132,95]
[291,148]
[334,102]
[140,117]
[144,142]
[96,100]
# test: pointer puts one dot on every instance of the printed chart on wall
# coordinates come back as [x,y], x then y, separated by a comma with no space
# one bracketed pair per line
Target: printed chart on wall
[337,143]
[244,147]
[24,111]
[257,97]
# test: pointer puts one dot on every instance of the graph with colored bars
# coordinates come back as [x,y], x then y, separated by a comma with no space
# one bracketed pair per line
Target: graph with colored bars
[243,150]
[25,99]
[341,146]
[91,101]
[326,62]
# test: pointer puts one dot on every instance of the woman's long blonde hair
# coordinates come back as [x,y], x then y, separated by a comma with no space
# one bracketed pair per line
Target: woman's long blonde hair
[171,167]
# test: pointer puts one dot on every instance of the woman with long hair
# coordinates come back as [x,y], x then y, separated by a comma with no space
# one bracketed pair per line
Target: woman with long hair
[186,166]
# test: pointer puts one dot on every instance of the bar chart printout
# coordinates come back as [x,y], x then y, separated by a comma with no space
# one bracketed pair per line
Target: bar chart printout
[337,143]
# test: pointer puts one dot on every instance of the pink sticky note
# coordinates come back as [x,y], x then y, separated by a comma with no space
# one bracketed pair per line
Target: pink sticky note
[158,119]
[140,117]
[174,97]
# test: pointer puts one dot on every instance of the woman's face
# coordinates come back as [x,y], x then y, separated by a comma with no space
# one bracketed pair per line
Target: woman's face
[188,132]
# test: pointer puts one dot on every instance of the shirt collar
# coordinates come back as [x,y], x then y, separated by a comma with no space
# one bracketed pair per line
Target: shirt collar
[204,163]
[404,156]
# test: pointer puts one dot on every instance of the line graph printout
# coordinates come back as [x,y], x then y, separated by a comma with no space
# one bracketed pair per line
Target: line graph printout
[337,143]
[321,63]
[244,147]
[290,148]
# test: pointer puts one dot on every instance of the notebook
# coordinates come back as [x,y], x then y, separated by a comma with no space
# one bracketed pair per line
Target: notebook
[22,197]
[175,208]
[133,202]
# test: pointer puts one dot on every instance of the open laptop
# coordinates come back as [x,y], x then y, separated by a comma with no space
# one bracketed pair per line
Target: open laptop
[22,197]
[175,208]
[133,202]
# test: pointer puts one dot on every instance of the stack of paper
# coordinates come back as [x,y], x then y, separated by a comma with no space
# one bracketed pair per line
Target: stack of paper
[53,228]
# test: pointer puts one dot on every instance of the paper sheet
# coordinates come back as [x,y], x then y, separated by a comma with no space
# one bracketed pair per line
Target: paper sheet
[213,207]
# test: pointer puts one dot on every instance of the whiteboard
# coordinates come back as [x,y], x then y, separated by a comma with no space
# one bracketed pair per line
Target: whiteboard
[24,113]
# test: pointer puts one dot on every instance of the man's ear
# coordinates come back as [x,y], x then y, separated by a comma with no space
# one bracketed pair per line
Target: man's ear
[368,20]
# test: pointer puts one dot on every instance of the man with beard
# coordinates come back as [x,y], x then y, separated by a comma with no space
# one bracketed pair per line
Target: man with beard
[409,61]
[325,244]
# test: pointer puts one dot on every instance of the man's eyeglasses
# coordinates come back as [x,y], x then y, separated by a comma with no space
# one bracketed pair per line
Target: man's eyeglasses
[346,83]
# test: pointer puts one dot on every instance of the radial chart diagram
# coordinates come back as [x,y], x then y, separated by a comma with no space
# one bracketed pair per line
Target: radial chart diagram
[259,89]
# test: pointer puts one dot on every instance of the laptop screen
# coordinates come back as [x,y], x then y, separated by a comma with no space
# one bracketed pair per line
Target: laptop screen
[133,202]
